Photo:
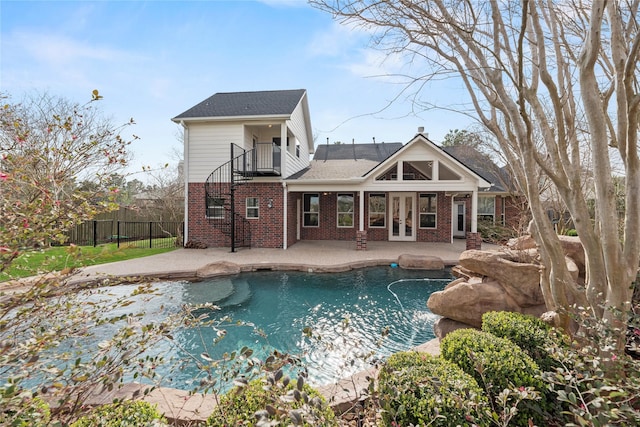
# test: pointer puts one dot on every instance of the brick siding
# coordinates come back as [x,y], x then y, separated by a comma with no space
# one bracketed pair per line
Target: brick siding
[267,230]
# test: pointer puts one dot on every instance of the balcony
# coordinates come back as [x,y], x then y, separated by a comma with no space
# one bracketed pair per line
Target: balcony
[263,160]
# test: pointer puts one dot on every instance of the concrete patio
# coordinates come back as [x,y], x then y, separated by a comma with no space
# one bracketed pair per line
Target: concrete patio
[313,256]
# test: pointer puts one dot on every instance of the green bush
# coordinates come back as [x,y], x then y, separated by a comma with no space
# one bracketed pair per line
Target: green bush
[28,412]
[420,389]
[495,233]
[572,232]
[497,364]
[597,385]
[527,332]
[128,413]
[274,398]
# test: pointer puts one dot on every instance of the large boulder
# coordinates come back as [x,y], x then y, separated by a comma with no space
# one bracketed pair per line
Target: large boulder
[420,262]
[572,247]
[521,280]
[444,326]
[467,302]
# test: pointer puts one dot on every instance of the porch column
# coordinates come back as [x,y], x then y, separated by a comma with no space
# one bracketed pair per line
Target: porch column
[283,148]
[474,240]
[361,234]
[285,216]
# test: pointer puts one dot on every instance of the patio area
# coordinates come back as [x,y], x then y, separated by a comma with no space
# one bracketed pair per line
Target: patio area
[315,256]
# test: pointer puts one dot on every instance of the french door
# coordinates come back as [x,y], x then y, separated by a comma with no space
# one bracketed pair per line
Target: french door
[402,214]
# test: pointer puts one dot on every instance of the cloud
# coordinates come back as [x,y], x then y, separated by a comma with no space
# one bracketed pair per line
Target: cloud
[56,50]
[284,3]
[336,41]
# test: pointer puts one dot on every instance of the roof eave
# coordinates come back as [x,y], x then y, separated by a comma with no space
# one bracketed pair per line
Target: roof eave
[263,117]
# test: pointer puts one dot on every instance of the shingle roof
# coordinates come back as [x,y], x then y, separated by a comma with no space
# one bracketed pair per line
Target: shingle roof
[482,165]
[335,169]
[263,103]
[375,152]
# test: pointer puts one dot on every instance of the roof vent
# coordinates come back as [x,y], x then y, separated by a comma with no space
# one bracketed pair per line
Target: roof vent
[421,129]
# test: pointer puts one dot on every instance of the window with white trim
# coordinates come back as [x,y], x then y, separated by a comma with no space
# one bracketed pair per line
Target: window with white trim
[253,207]
[215,207]
[345,209]
[377,210]
[428,208]
[310,210]
[486,208]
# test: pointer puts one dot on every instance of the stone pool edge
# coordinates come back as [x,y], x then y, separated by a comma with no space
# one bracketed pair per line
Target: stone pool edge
[182,407]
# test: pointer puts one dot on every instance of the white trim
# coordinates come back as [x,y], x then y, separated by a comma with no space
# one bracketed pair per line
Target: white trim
[353,212]
[233,118]
[185,172]
[474,211]
[454,218]
[402,225]
[285,217]
[435,214]
[361,211]
[247,207]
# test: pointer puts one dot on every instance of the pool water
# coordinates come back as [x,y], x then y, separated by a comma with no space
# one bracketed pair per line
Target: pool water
[354,317]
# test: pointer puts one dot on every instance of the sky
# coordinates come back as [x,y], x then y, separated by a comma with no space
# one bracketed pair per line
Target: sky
[152,60]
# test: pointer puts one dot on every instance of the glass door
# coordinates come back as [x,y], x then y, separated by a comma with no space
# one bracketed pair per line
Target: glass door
[402,217]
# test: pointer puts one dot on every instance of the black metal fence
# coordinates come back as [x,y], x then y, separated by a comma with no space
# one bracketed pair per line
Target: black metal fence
[139,234]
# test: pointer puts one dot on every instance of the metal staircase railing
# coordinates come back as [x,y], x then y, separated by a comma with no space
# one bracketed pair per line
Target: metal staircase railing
[219,196]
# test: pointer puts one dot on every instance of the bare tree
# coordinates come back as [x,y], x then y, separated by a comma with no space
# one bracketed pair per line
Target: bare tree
[547,78]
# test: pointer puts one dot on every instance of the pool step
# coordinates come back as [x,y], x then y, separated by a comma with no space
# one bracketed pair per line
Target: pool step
[210,290]
[242,293]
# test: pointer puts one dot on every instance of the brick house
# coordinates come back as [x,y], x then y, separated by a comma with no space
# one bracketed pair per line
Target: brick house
[250,180]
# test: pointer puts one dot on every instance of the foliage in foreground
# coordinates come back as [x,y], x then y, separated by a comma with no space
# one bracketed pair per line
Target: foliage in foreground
[420,389]
[497,364]
[272,400]
[529,333]
[598,391]
[122,414]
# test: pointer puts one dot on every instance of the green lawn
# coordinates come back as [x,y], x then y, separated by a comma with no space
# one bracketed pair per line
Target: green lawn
[59,258]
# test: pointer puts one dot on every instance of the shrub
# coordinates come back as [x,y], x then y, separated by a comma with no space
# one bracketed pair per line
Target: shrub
[598,386]
[527,332]
[495,233]
[572,232]
[127,413]
[420,389]
[24,412]
[273,398]
[497,364]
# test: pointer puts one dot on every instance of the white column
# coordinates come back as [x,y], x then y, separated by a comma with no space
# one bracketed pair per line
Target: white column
[361,211]
[283,148]
[474,211]
[185,171]
[285,216]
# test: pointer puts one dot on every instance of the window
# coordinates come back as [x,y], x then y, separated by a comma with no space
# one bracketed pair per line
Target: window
[377,210]
[345,210]
[253,207]
[310,210]
[428,210]
[503,211]
[215,207]
[486,208]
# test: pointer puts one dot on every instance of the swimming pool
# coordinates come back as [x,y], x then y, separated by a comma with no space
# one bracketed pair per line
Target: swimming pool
[373,311]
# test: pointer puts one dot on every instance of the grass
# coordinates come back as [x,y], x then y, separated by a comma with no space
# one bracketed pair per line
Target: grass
[67,257]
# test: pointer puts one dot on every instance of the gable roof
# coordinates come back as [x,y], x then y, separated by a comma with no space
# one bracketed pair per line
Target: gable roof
[374,152]
[236,104]
[482,165]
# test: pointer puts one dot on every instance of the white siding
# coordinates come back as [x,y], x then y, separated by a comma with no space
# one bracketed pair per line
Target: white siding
[297,126]
[209,147]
